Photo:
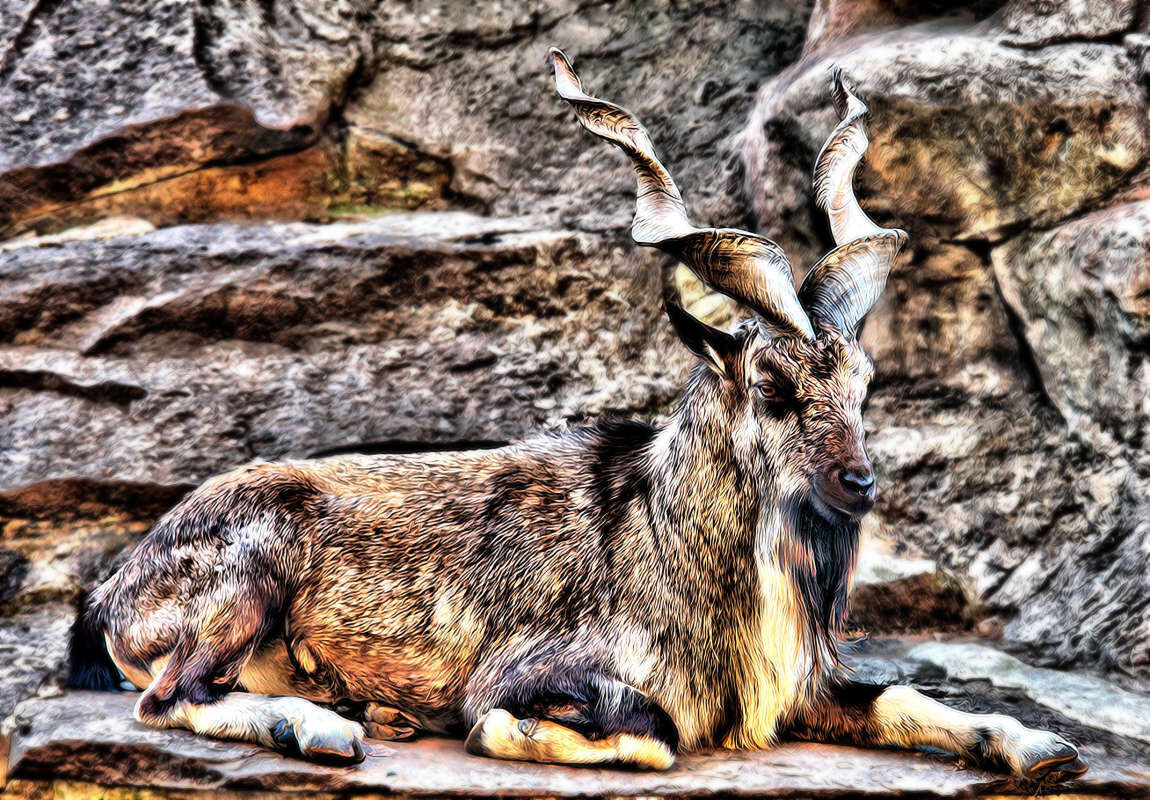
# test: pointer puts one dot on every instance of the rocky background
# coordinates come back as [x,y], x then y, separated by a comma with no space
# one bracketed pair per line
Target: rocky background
[232,230]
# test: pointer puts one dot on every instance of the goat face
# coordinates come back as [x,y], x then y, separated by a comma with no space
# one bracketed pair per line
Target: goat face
[806,397]
[793,407]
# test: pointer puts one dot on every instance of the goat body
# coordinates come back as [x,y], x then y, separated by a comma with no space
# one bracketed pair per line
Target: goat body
[436,583]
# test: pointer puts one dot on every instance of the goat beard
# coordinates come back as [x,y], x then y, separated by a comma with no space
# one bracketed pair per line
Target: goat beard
[829,544]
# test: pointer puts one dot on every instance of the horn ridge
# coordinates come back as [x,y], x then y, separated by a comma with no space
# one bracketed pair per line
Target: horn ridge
[846,283]
[836,165]
[745,266]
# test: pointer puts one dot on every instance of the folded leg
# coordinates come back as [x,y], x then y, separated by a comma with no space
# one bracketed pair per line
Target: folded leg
[582,719]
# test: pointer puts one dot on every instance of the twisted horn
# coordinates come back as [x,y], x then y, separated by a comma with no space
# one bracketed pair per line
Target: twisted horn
[842,287]
[750,268]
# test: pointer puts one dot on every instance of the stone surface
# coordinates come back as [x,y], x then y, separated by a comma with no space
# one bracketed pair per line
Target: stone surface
[57,540]
[687,70]
[970,137]
[1084,698]
[90,737]
[898,593]
[1032,23]
[81,72]
[33,650]
[201,111]
[942,323]
[110,96]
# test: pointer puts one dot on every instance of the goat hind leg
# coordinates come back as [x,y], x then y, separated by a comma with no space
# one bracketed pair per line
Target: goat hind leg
[898,716]
[192,682]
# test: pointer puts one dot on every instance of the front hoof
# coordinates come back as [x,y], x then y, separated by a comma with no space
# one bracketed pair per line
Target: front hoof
[334,750]
[328,742]
[1052,761]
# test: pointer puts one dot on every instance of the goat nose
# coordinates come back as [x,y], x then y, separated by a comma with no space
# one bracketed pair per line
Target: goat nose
[857,481]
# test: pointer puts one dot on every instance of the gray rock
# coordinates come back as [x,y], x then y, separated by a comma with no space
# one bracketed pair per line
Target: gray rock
[138,108]
[941,322]
[77,73]
[1080,292]
[1047,534]
[1034,23]
[33,652]
[1084,698]
[689,71]
[133,92]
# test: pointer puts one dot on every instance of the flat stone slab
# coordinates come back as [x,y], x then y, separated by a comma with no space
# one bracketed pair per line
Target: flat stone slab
[91,737]
[1083,698]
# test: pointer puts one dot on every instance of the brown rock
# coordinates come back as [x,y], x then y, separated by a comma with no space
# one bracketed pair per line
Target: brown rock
[895,593]
[969,137]
[941,321]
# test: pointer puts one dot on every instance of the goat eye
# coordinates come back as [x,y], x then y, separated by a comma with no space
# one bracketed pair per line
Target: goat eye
[767,391]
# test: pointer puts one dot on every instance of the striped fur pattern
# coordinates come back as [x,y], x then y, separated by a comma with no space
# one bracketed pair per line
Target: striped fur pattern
[614,594]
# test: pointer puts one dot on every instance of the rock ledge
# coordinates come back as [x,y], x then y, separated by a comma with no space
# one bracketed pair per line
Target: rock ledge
[90,738]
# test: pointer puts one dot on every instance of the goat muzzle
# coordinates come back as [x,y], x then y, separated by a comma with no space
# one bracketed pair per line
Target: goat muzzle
[848,488]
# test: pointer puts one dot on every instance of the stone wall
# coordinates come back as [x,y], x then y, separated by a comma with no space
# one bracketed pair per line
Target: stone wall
[403,241]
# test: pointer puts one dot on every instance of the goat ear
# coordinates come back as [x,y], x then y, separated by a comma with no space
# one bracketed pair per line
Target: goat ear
[716,348]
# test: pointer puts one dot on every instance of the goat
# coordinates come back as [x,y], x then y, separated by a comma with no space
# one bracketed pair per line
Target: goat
[614,594]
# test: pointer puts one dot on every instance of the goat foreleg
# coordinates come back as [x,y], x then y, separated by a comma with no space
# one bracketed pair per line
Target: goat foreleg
[898,716]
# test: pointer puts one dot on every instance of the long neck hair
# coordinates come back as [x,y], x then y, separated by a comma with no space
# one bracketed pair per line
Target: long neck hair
[722,516]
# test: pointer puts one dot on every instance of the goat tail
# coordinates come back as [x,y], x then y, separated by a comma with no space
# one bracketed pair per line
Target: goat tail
[90,666]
